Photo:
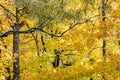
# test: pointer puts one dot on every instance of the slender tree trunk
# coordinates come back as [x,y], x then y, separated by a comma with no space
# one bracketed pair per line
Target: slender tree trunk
[103,19]
[104,47]
[16,67]
[104,40]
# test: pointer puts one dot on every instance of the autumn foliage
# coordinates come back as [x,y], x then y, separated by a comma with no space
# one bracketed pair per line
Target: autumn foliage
[60,39]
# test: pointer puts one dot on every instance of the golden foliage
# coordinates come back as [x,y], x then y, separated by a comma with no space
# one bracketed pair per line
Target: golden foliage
[81,46]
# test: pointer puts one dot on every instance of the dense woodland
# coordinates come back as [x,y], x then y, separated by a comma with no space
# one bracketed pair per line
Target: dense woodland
[59,39]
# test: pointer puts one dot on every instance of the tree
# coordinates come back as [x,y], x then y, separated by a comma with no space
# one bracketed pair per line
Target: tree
[49,20]
[45,19]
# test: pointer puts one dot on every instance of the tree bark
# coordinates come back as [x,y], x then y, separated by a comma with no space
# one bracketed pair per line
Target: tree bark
[16,67]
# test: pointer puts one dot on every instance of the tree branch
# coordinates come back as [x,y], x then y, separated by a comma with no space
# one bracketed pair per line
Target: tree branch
[39,29]
[7,10]
[72,26]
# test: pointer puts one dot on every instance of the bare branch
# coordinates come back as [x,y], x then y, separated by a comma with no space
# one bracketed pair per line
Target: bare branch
[72,26]
[7,10]
[40,29]
[17,31]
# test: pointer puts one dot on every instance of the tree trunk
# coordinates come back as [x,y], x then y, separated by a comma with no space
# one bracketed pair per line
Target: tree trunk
[104,40]
[103,19]
[16,67]
[56,62]
[104,47]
